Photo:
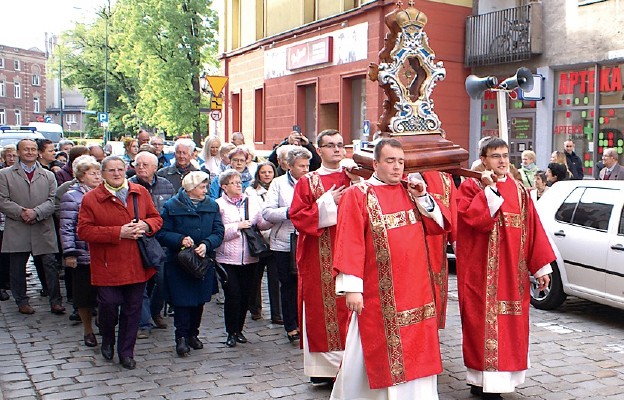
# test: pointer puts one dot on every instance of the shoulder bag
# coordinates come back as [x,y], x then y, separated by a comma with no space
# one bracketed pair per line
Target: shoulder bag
[258,247]
[152,253]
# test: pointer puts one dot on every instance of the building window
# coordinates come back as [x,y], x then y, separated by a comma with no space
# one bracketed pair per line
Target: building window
[70,118]
[36,103]
[36,80]
[2,116]
[18,117]
[17,90]
[1,62]
[16,65]
[236,111]
[2,88]
[259,115]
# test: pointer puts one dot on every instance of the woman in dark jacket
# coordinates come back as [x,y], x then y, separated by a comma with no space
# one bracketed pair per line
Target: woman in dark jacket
[75,251]
[190,218]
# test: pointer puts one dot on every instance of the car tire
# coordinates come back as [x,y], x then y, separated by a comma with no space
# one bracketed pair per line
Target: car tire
[551,297]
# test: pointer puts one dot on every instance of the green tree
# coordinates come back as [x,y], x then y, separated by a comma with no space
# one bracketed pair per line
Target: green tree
[156,51]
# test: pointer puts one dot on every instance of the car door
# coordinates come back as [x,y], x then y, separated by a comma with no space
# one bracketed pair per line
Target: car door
[580,232]
[615,255]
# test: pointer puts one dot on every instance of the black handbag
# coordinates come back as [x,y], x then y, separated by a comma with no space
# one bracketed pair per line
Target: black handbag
[258,247]
[293,254]
[152,253]
[194,265]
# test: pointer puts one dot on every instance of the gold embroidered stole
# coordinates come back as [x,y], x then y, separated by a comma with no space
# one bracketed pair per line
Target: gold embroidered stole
[493,306]
[440,279]
[328,286]
[393,320]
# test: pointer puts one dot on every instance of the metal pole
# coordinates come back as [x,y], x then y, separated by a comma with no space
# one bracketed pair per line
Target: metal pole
[60,86]
[501,100]
[106,74]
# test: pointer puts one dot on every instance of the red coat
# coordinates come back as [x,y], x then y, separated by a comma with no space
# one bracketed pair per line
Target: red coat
[115,261]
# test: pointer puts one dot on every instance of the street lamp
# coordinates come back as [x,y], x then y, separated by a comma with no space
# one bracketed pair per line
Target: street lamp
[106,75]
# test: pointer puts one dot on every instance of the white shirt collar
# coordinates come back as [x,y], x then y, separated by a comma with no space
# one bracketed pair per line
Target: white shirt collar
[323,170]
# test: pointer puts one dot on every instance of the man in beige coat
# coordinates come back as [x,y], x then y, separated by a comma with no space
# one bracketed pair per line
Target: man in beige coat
[27,199]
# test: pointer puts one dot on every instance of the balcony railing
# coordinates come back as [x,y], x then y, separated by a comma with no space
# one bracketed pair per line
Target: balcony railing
[503,36]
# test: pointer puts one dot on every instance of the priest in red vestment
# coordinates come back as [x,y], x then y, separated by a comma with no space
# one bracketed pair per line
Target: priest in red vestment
[500,244]
[314,212]
[392,349]
[440,185]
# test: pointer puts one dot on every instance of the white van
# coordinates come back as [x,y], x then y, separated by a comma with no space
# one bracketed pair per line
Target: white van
[54,132]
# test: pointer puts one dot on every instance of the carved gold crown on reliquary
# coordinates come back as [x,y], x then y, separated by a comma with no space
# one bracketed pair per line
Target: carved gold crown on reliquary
[408,74]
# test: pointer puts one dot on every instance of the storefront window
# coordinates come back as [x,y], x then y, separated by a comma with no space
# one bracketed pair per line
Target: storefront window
[574,114]
[576,108]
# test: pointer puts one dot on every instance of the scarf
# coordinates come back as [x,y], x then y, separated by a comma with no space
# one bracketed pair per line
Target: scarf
[120,192]
[236,201]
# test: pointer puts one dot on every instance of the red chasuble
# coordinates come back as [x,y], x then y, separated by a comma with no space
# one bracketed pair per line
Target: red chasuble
[440,185]
[326,318]
[382,240]
[494,259]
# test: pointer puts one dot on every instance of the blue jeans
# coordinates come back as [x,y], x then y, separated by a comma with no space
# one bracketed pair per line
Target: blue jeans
[153,302]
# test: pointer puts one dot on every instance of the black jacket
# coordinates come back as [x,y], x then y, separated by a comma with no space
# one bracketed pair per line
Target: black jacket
[575,165]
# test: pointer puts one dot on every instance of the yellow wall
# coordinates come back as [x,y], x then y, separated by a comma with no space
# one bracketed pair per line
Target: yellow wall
[244,22]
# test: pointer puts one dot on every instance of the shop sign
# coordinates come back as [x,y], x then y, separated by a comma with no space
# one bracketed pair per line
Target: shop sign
[313,52]
[610,80]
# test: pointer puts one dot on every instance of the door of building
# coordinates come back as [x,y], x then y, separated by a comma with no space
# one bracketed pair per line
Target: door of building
[521,135]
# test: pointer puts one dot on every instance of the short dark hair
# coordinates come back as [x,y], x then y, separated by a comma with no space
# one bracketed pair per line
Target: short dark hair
[559,171]
[542,174]
[76,152]
[326,132]
[42,143]
[491,144]
[383,143]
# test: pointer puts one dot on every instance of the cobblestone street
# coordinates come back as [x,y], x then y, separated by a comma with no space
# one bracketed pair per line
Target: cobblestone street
[576,352]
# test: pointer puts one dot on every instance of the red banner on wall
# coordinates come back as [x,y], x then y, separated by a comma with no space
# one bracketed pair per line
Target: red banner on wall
[318,51]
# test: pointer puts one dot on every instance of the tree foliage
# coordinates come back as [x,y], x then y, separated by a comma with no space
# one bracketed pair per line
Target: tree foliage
[156,51]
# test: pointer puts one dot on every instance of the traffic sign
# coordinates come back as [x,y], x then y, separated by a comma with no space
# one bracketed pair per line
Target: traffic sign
[216,115]
[216,102]
[102,117]
[48,119]
[217,83]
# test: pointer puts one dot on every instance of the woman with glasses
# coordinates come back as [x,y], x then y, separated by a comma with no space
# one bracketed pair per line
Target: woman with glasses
[108,223]
[75,250]
[238,212]
[238,162]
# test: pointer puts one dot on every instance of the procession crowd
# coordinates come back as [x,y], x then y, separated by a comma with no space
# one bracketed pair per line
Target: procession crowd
[356,269]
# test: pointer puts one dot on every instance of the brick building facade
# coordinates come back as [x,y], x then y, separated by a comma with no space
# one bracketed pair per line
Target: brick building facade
[22,85]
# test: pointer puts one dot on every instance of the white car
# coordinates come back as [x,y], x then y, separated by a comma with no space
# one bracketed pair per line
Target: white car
[585,221]
[9,135]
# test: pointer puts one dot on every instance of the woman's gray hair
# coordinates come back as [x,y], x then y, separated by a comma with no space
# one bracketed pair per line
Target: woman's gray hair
[84,163]
[7,148]
[227,175]
[284,149]
[110,159]
[296,154]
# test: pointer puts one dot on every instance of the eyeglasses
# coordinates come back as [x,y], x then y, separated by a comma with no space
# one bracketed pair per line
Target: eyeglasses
[93,173]
[114,170]
[497,156]
[333,145]
[142,165]
[235,183]
[238,160]
[157,144]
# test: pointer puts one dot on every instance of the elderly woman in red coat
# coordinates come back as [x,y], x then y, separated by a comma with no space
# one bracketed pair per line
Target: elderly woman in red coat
[106,221]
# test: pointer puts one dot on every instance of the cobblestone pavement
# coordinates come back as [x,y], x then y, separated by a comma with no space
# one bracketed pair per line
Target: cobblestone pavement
[576,352]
